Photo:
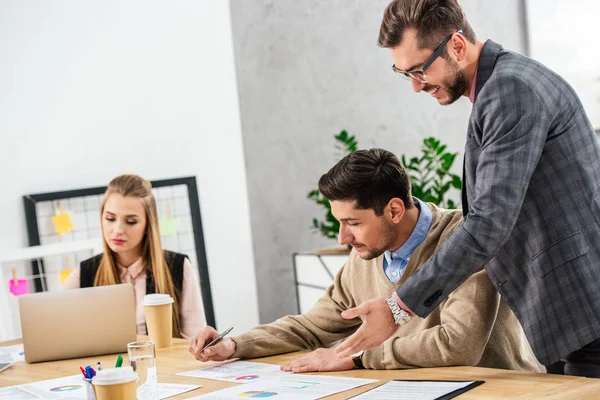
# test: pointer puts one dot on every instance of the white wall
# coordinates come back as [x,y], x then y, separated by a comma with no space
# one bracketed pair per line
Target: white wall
[91,90]
[563,35]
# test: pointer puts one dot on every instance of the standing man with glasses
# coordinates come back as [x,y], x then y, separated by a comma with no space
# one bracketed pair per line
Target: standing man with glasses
[531,190]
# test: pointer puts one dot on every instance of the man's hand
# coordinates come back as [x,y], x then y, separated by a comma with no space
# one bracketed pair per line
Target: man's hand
[219,351]
[378,325]
[320,360]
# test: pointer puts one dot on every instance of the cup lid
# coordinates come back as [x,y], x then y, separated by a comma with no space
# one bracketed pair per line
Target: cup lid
[114,376]
[157,299]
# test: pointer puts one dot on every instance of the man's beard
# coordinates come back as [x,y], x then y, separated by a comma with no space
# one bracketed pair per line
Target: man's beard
[387,236]
[456,87]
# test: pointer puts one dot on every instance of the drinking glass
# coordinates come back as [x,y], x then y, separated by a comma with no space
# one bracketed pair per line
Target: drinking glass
[142,357]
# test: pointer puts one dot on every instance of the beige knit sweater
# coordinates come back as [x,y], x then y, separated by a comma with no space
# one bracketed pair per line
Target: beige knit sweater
[472,327]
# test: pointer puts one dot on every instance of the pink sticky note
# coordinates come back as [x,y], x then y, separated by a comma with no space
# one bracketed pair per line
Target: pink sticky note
[22,287]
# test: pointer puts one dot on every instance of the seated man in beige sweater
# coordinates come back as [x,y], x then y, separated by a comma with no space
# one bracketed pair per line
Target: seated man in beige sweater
[392,235]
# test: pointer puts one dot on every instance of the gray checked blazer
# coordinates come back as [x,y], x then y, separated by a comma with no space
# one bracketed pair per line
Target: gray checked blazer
[532,165]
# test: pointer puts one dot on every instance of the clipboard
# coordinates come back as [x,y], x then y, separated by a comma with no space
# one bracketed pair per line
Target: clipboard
[386,392]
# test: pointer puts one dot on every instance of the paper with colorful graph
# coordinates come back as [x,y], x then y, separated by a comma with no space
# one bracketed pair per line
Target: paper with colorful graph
[289,387]
[72,388]
[237,372]
[9,354]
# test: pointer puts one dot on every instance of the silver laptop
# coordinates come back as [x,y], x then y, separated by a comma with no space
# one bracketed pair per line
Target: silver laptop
[78,322]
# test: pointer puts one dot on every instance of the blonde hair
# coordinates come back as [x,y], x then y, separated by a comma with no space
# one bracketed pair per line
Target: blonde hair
[151,246]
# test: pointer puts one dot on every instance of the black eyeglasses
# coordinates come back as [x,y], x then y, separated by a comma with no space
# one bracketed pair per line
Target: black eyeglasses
[419,74]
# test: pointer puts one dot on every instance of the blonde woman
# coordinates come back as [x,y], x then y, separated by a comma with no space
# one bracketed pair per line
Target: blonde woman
[133,254]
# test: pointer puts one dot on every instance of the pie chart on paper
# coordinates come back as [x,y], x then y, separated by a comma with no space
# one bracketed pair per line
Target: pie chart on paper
[66,388]
[257,394]
[247,378]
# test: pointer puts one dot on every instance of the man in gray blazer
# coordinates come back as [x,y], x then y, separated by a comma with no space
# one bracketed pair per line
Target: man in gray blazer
[531,190]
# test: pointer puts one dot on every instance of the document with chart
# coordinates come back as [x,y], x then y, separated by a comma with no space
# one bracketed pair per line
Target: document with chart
[289,387]
[237,372]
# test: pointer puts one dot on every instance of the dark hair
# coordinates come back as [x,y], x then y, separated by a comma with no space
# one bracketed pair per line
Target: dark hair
[370,177]
[433,20]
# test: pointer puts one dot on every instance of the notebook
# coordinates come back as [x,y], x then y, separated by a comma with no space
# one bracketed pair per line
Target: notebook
[77,323]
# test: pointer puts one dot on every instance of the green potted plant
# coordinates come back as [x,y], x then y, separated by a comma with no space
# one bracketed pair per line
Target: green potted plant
[430,175]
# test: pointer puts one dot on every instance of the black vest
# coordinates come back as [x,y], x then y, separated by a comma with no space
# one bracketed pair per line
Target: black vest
[174,260]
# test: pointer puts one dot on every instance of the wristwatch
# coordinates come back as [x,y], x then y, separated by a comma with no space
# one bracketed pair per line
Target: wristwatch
[400,316]
[357,359]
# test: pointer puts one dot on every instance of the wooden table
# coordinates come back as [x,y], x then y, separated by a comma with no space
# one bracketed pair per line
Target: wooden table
[498,383]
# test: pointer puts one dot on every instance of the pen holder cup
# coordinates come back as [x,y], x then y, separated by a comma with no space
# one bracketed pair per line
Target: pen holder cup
[89,389]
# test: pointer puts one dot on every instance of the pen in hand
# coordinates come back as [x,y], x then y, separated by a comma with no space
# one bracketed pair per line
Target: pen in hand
[215,340]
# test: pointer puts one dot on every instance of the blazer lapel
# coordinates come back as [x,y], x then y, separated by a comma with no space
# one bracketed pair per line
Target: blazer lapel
[486,63]
[485,67]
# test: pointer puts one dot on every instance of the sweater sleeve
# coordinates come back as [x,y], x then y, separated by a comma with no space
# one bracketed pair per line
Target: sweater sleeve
[321,326]
[459,338]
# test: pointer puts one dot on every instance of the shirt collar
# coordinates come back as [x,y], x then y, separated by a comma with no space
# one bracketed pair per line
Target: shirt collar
[472,94]
[417,236]
[134,270]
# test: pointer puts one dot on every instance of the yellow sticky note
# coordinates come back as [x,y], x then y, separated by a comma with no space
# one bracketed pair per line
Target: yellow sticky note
[64,274]
[168,226]
[62,223]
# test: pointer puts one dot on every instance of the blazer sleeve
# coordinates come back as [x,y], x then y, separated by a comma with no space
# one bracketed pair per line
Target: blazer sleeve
[515,124]
[321,326]
[460,338]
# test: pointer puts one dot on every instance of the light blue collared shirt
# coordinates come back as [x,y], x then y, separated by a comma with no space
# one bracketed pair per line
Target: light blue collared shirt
[394,262]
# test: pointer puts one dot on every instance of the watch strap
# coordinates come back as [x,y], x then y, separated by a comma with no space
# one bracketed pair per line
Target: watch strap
[358,361]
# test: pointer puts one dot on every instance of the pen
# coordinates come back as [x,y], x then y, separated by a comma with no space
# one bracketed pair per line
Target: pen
[89,371]
[119,361]
[215,340]
[99,366]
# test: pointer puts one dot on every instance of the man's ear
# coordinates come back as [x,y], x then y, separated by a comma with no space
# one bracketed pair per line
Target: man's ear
[458,46]
[396,210]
